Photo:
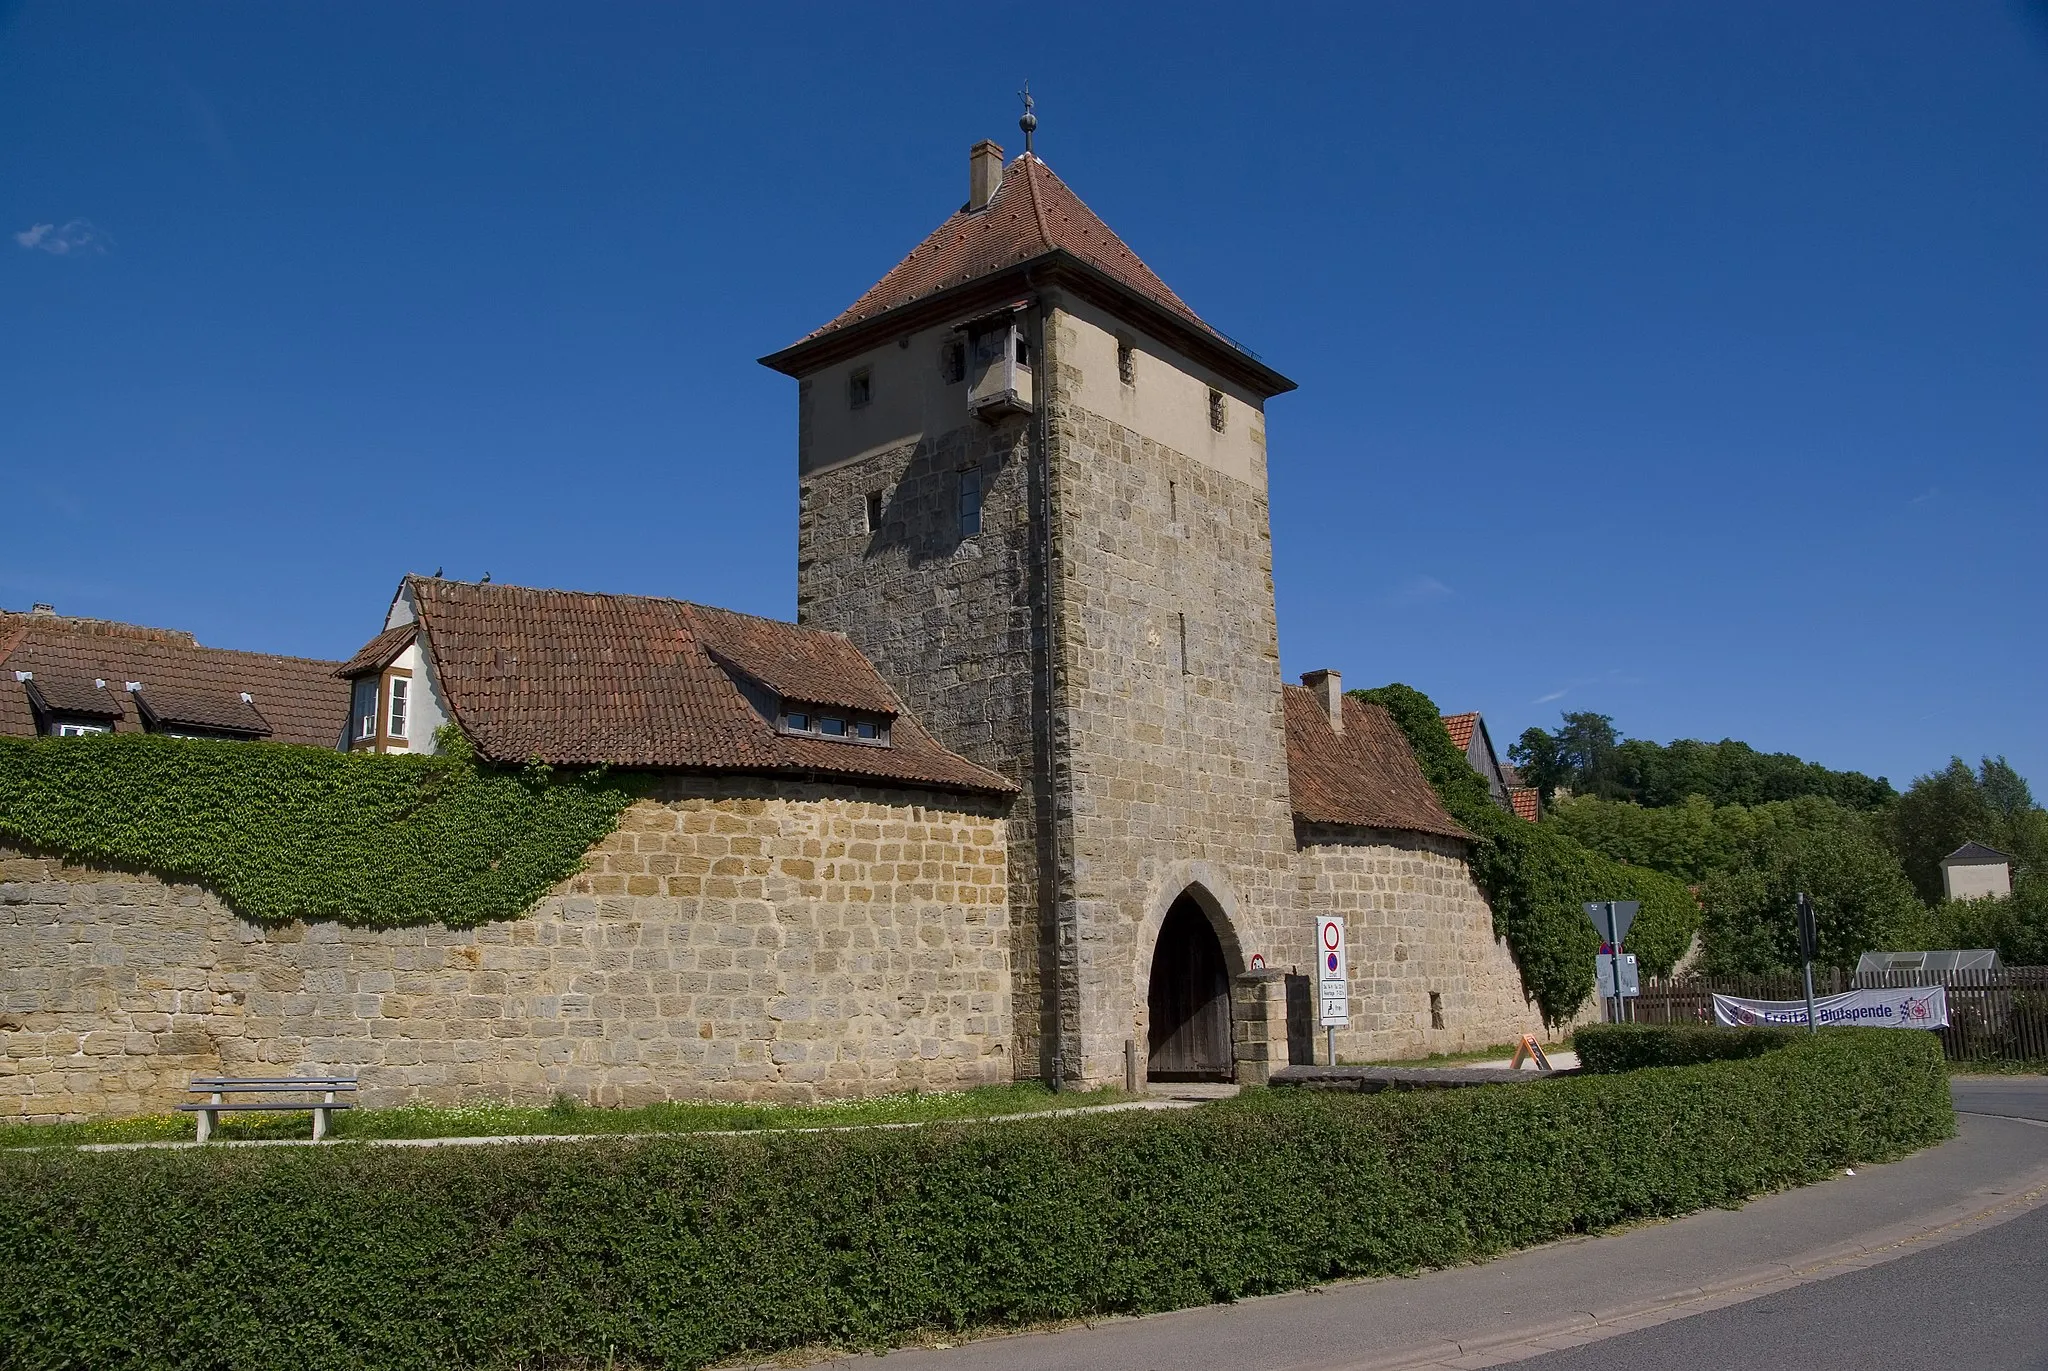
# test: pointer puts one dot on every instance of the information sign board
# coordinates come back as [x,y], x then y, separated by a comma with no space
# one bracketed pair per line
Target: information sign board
[1333,973]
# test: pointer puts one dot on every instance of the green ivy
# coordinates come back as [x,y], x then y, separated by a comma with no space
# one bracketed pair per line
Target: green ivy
[282,832]
[1537,878]
[686,1252]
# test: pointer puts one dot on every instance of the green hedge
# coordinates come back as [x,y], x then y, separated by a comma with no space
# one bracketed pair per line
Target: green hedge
[1615,1047]
[679,1252]
[283,832]
[1539,879]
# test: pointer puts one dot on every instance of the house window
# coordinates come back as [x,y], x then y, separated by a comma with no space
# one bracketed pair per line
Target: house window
[1023,351]
[867,730]
[64,730]
[839,727]
[860,388]
[1126,364]
[1215,409]
[953,363]
[401,688]
[970,502]
[831,727]
[798,723]
[874,511]
[363,709]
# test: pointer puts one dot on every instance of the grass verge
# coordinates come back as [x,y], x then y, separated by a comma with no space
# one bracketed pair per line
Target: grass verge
[566,1117]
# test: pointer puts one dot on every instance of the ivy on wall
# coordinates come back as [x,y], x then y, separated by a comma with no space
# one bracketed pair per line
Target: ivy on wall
[283,832]
[1538,879]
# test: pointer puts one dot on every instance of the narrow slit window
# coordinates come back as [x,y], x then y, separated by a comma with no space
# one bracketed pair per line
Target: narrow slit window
[874,511]
[1436,1010]
[860,388]
[1184,645]
[1173,502]
[970,502]
[953,363]
[1126,364]
[1216,413]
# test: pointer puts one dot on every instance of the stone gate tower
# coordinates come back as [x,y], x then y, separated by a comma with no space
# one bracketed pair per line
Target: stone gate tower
[1032,489]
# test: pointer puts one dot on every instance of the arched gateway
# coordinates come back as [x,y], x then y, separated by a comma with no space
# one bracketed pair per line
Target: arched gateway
[1188,999]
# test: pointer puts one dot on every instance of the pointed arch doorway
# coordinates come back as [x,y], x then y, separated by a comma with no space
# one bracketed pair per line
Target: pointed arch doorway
[1188,999]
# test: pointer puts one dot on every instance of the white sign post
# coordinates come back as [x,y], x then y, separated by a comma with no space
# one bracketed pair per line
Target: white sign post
[1333,973]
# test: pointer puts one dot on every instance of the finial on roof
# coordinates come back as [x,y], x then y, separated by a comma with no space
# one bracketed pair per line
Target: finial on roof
[1029,123]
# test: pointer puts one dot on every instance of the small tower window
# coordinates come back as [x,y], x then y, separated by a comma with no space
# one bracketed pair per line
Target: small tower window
[874,511]
[1185,670]
[953,363]
[860,388]
[1215,409]
[1126,363]
[970,502]
[1023,350]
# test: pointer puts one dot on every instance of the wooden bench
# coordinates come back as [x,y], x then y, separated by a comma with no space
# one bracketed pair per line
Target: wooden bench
[218,1086]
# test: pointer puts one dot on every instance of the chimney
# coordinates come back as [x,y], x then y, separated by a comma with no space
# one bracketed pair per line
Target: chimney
[984,173]
[1328,688]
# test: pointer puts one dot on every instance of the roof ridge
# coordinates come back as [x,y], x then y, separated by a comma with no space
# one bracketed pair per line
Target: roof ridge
[1037,205]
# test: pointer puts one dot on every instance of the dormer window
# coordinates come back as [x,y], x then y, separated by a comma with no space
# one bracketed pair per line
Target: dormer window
[837,725]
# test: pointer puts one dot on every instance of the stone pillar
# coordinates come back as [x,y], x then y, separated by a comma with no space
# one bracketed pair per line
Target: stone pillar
[1259,1025]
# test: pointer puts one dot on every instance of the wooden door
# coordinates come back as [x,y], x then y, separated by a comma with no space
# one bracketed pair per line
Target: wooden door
[1189,1000]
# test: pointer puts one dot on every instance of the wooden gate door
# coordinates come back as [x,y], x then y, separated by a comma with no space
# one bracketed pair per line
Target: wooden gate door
[1189,999]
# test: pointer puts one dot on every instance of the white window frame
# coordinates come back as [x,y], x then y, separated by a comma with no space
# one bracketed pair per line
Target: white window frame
[74,730]
[397,706]
[363,722]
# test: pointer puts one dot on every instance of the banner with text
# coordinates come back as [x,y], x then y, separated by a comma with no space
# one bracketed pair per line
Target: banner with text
[1909,1006]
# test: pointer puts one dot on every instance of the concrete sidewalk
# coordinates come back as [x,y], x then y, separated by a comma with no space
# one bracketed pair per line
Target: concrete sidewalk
[1582,1289]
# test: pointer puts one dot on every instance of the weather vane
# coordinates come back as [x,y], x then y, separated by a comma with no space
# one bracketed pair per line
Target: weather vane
[1030,121]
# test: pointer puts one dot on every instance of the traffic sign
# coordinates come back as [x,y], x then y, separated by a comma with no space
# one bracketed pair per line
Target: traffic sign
[1611,918]
[1333,972]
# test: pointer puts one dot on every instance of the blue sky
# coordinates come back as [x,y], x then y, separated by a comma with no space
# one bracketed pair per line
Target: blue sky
[1688,363]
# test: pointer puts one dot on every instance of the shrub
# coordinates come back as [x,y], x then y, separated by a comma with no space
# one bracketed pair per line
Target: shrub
[684,1251]
[1607,1048]
[283,832]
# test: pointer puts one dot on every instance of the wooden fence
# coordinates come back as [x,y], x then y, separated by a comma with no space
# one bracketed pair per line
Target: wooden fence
[1993,1015]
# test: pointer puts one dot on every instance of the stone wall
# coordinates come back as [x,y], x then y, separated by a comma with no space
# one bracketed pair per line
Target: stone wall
[1416,926]
[731,940]
[1168,724]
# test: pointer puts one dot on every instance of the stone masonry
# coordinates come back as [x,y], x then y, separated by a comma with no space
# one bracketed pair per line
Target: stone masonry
[1427,974]
[740,940]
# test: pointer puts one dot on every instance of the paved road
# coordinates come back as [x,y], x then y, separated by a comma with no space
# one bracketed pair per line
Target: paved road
[1786,1280]
[1979,1302]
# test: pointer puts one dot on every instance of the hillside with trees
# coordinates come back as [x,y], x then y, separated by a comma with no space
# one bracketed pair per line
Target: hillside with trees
[1749,830]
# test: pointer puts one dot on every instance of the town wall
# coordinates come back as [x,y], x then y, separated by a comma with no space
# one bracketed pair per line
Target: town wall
[1415,925]
[737,940]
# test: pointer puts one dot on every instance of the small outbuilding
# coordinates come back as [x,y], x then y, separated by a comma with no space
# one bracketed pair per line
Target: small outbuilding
[1974,871]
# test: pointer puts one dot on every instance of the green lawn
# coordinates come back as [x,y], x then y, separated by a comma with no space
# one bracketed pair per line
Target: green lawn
[565,1116]
[1504,1052]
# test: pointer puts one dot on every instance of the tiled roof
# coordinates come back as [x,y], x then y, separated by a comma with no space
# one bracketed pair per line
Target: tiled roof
[579,679]
[1461,727]
[172,709]
[1032,214]
[297,699]
[381,651]
[71,695]
[1973,853]
[1526,801]
[1365,777]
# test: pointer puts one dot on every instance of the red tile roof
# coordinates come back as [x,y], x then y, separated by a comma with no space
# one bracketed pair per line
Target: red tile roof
[380,652]
[1527,802]
[577,679]
[1461,727]
[1364,777]
[297,699]
[1032,214]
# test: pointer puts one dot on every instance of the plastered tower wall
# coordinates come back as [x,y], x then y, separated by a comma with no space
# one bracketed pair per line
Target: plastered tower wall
[1169,727]
[949,620]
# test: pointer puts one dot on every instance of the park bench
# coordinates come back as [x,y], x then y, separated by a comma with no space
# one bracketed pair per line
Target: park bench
[217,1087]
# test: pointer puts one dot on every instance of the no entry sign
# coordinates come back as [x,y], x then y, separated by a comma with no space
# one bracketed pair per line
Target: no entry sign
[1332,972]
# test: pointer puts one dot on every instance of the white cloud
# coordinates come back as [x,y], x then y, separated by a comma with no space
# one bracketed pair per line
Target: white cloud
[1419,590]
[1553,695]
[71,239]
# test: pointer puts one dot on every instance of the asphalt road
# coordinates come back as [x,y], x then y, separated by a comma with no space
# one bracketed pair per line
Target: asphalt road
[2005,1097]
[1979,1302]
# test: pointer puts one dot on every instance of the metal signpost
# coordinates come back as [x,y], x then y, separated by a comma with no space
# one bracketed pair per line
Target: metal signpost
[1334,974]
[1809,940]
[1611,919]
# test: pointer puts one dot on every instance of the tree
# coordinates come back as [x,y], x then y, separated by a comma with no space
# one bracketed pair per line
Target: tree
[1588,757]
[1945,809]
[1862,900]
[1579,756]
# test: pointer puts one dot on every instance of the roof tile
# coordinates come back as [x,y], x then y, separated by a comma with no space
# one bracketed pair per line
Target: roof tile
[1364,777]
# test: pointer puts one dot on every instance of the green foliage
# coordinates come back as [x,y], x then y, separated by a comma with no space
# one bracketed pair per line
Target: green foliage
[283,832]
[1942,811]
[1861,899]
[1586,756]
[2015,926]
[1605,1049]
[569,1116]
[1537,878]
[682,1252]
